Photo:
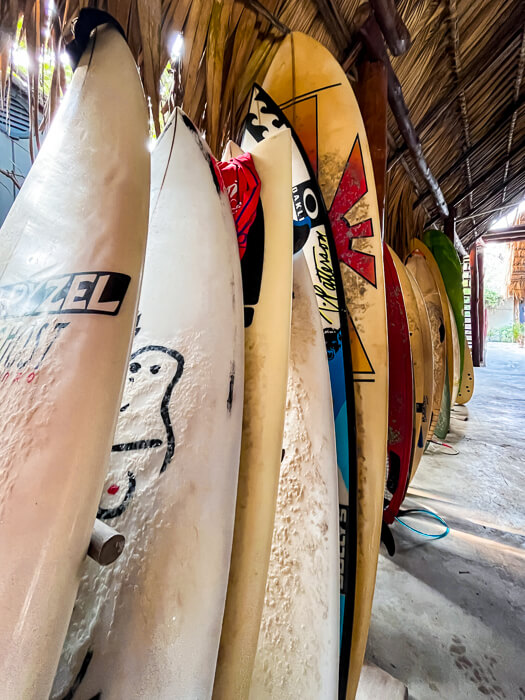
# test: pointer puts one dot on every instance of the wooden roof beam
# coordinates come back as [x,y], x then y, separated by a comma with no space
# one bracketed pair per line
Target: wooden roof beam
[392,26]
[373,40]
[335,22]
[505,235]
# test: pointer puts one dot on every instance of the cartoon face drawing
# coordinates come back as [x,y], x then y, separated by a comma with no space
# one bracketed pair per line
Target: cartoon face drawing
[144,438]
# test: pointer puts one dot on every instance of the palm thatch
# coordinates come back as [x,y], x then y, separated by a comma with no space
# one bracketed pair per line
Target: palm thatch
[462,80]
[516,280]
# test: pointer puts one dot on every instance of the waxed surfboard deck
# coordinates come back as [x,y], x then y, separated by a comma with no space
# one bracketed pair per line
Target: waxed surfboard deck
[421,420]
[71,252]
[264,118]
[149,625]
[315,95]
[427,360]
[466,388]
[418,266]
[401,409]
[298,648]
[451,270]
[267,279]
[443,422]
[457,355]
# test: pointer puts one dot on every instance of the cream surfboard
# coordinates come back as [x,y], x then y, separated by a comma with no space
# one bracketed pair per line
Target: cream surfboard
[417,263]
[267,277]
[443,421]
[466,388]
[314,93]
[421,417]
[263,119]
[428,371]
[298,648]
[149,626]
[456,355]
[71,253]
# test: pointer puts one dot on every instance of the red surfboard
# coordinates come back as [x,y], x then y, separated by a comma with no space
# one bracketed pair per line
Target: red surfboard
[400,393]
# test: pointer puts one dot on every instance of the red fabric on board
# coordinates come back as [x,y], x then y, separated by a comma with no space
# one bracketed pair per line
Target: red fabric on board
[244,189]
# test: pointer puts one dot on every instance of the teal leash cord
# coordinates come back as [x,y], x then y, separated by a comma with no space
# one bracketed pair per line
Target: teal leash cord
[419,532]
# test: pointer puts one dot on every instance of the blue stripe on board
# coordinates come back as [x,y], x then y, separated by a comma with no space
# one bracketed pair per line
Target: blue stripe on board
[337,378]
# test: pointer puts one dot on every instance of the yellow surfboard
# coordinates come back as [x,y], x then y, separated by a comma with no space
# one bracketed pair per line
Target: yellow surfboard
[417,264]
[428,371]
[456,376]
[314,93]
[267,340]
[466,388]
[421,423]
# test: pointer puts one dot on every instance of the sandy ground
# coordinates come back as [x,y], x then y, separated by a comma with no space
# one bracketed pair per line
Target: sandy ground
[449,615]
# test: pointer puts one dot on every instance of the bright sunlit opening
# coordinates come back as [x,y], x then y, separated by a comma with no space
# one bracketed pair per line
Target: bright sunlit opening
[177,47]
[507,219]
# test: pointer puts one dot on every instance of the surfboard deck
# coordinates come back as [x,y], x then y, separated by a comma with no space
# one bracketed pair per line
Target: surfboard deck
[466,388]
[267,281]
[302,591]
[421,420]
[149,626]
[401,404]
[451,270]
[427,363]
[315,95]
[71,252]
[417,264]
[264,118]
[456,355]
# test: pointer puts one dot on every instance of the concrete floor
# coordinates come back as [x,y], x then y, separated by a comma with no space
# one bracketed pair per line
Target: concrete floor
[449,615]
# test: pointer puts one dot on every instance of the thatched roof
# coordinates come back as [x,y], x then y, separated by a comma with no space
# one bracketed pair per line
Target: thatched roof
[462,82]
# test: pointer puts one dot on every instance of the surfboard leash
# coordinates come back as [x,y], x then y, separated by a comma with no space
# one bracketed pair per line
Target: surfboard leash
[424,511]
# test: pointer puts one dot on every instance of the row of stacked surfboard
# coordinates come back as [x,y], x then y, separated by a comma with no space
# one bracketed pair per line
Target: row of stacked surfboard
[243,404]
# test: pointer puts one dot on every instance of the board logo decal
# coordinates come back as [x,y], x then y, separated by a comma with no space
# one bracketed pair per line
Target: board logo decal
[360,361]
[73,293]
[154,370]
[352,188]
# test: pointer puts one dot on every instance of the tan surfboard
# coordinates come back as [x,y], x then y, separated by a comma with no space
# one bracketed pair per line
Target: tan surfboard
[314,93]
[267,339]
[418,266]
[421,423]
[466,388]
[428,370]
[456,355]
[71,252]
[298,649]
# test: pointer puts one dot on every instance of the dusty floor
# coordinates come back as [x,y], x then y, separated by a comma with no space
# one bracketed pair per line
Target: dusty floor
[449,615]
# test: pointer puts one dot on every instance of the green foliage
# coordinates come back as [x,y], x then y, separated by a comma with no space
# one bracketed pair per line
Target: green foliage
[492,299]
[511,333]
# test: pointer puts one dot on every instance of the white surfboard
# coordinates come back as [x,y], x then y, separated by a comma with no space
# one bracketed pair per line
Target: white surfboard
[267,270]
[298,648]
[149,626]
[71,252]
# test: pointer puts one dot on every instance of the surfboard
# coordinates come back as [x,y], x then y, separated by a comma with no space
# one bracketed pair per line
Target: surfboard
[264,118]
[401,408]
[421,420]
[314,93]
[417,264]
[456,355]
[71,253]
[466,388]
[427,361]
[298,648]
[451,269]
[267,281]
[149,626]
